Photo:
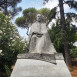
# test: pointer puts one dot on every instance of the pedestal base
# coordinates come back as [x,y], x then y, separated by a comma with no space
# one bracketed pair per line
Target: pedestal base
[38,68]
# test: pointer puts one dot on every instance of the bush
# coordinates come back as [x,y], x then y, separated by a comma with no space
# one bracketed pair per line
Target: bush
[10,43]
[74,52]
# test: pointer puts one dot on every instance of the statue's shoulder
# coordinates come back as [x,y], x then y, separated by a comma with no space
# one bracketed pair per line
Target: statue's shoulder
[38,23]
[35,23]
[43,23]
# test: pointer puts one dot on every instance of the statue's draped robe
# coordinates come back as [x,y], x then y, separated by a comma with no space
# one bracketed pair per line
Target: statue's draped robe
[39,40]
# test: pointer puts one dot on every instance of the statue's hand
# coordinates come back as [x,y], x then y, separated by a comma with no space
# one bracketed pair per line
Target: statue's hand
[37,34]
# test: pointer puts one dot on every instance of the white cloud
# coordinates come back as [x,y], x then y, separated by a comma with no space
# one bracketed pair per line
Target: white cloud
[66,8]
[75,43]
[51,4]
[50,24]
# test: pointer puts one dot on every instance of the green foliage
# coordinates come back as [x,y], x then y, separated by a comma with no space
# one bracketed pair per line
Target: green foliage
[29,16]
[74,52]
[70,33]
[7,71]
[71,36]
[10,6]
[72,4]
[20,21]
[10,43]
[29,10]
[45,12]
[71,16]
[57,35]
[14,12]
[52,14]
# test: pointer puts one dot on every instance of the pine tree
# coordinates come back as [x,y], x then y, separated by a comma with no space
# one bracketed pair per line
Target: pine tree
[7,4]
[72,4]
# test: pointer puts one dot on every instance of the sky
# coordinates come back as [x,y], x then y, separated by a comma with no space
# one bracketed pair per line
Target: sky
[38,4]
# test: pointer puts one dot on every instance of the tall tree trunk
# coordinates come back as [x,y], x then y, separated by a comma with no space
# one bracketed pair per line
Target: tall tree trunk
[65,41]
[6,13]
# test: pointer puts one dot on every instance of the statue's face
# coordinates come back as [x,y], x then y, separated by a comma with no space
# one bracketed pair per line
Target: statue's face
[39,18]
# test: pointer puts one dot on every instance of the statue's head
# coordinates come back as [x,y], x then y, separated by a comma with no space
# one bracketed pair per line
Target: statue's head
[39,17]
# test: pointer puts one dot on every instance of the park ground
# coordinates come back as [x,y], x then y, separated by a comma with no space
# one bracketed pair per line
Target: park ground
[73,69]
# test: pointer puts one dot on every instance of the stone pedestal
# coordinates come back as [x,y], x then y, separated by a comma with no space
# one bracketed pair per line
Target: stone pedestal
[40,68]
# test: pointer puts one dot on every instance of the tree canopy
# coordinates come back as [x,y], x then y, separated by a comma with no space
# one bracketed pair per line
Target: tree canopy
[29,16]
[56,37]
[66,20]
[10,6]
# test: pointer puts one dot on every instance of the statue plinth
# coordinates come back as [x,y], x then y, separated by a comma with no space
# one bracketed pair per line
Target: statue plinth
[51,58]
[43,57]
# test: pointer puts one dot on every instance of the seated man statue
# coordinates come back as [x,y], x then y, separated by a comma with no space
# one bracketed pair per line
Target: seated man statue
[39,40]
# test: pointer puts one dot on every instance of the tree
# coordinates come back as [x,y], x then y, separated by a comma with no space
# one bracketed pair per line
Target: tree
[7,4]
[74,52]
[45,12]
[29,17]
[56,35]
[21,22]
[66,43]
[72,4]
[10,43]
